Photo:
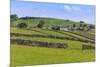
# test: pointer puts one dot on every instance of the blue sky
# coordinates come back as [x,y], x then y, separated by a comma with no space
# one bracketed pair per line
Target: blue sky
[73,12]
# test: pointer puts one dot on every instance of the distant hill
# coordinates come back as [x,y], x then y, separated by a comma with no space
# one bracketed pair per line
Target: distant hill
[33,21]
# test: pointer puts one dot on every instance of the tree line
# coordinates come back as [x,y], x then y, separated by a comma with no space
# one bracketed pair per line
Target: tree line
[82,24]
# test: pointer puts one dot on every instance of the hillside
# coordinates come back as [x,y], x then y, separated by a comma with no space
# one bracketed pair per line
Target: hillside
[33,21]
[25,49]
[33,45]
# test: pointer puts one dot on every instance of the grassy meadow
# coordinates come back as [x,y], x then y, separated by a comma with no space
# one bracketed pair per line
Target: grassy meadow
[51,22]
[25,55]
[50,33]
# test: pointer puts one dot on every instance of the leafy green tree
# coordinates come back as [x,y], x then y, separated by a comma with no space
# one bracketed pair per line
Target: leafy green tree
[41,24]
[81,25]
[82,22]
[92,26]
[67,20]
[85,25]
[14,17]
[74,25]
[22,25]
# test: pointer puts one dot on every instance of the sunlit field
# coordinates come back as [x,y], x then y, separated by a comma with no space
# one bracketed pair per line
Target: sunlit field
[26,55]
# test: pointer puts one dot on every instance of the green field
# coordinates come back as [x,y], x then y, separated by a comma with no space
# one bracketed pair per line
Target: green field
[50,22]
[27,55]
[22,55]
[51,33]
[76,36]
[47,32]
[71,44]
[24,31]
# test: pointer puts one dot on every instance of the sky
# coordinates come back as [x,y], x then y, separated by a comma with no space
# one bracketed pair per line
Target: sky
[74,12]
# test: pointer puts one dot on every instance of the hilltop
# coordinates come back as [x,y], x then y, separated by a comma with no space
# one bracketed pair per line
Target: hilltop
[33,21]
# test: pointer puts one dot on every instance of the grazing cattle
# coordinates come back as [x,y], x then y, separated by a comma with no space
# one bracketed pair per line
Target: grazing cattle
[87,47]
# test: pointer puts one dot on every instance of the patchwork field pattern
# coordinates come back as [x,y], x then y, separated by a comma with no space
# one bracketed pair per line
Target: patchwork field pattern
[51,33]
[30,53]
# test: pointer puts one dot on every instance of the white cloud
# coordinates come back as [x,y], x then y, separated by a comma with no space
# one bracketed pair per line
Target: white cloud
[76,8]
[68,8]
[72,8]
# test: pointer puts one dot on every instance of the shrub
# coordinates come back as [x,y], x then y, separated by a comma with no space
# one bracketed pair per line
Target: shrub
[14,17]
[41,24]
[56,28]
[22,25]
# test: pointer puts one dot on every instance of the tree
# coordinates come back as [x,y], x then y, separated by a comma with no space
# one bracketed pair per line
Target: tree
[22,25]
[74,25]
[92,26]
[82,22]
[81,25]
[14,17]
[67,20]
[56,28]
[85,25]
[41,24]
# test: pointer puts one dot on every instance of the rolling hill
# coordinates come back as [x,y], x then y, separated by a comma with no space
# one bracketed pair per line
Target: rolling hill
[33,21]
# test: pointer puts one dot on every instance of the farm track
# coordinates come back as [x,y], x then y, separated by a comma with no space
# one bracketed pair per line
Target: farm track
[50,36]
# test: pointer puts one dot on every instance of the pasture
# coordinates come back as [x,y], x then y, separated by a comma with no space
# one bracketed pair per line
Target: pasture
[51,22]
[22,55]
[44,33]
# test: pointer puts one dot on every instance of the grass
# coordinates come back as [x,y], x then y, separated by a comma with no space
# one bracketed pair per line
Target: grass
[24,31]
[77,36]
[91,33]
[46,32]
[41,32]
[86,34]
[26,55]
[54,33]
[48,22]
[22,55]
[71,44]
